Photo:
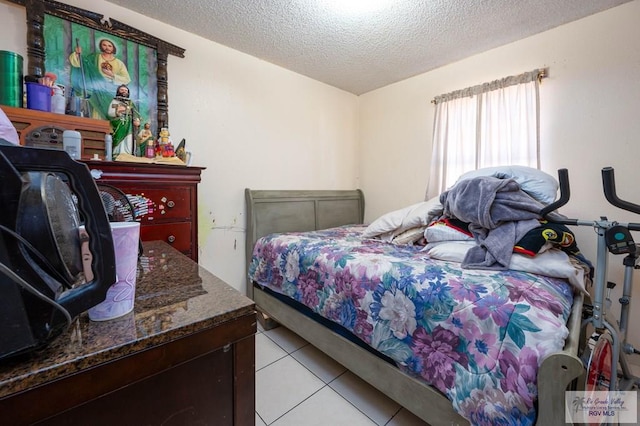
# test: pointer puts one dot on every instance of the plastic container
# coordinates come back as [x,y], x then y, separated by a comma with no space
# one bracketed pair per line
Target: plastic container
[108,147]
[72,143]
[11,79]
[58,102]
[38,97]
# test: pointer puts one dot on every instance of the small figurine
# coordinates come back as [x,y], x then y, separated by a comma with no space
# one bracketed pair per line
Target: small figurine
[165,144]
[181,152]
[146,142]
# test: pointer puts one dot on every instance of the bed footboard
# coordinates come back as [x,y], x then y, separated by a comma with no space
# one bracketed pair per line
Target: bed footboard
[558,371]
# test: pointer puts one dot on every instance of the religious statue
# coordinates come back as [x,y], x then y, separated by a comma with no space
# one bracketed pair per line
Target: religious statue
[122,114]
[146,142]
[165,145]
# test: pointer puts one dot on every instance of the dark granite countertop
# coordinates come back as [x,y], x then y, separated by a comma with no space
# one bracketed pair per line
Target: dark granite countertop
[174,297]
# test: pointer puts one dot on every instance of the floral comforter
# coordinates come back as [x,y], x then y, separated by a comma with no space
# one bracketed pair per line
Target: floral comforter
[476,335]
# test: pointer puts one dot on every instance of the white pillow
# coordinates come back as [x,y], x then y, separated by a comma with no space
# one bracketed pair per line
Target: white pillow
[538,184]
[398,221]
[441,231]
[452,251]
[410,236]
[552,263]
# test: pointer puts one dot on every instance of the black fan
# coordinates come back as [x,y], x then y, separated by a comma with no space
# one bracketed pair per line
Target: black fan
[118,206]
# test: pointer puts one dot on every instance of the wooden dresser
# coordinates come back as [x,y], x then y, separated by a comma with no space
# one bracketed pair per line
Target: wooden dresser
[184,356]
[166,194]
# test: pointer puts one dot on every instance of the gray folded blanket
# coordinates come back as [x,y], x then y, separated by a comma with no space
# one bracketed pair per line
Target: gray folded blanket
[499,214]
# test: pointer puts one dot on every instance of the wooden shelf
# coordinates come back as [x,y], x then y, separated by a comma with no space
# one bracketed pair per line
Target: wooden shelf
[44,129]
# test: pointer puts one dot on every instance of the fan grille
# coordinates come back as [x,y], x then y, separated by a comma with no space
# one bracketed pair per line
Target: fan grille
[116,204]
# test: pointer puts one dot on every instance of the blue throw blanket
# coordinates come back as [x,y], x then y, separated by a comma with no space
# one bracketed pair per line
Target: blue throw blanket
[499,214]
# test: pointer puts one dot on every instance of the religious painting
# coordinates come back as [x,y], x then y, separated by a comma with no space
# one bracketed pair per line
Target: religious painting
[106,68]
[92,65]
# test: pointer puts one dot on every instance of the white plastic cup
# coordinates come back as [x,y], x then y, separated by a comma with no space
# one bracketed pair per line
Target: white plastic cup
[121,295]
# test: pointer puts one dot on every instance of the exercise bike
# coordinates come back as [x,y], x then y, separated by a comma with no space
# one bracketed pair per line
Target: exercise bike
[607,348]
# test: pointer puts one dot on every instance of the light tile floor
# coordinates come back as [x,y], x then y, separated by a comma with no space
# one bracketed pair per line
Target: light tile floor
[296,384]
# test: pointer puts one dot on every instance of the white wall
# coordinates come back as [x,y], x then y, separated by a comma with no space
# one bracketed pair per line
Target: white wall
[250,123]
[590,109]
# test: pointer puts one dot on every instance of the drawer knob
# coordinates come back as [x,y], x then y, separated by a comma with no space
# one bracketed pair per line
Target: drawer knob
[171,238]
[171,204]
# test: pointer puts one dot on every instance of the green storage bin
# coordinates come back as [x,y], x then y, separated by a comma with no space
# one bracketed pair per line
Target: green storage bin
[11,75]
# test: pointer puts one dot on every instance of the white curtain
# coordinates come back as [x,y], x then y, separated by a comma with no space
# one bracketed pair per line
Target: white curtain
[492,124]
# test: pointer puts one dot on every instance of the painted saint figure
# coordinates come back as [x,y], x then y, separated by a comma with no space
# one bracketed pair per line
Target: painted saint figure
[99,73]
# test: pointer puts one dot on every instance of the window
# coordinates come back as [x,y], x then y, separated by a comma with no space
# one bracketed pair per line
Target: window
[492,124]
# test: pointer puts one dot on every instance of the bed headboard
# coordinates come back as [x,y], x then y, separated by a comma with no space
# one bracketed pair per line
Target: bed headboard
[291,211]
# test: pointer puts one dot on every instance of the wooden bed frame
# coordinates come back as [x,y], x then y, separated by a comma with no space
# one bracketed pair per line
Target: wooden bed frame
[287,211]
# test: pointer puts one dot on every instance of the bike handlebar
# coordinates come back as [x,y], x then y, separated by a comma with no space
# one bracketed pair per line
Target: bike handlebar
[565,192]
[609,187]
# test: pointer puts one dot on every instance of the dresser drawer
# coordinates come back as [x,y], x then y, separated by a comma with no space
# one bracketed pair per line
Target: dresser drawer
[176,234]
[160,203]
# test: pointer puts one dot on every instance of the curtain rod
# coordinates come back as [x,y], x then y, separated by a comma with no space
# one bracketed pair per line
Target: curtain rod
[538,74]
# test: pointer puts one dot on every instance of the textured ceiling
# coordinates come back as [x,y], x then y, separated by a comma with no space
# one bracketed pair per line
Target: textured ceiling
[362,52]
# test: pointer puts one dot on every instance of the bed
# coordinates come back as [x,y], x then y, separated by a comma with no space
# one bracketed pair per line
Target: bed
[383,357]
